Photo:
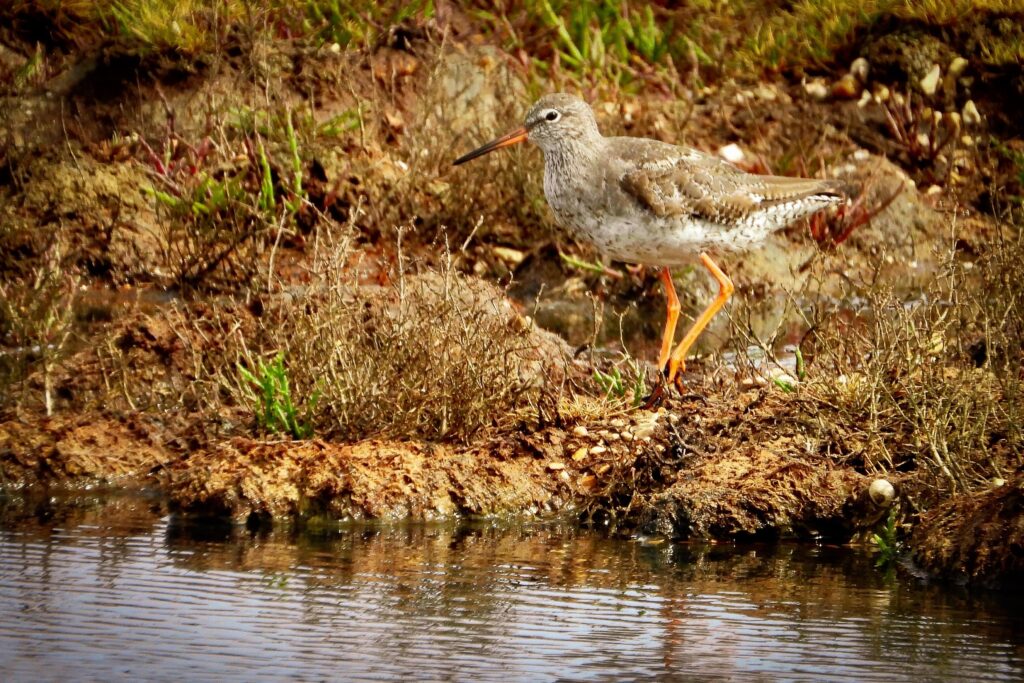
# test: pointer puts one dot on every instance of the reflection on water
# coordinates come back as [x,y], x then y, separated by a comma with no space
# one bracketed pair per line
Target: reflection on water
[118,591]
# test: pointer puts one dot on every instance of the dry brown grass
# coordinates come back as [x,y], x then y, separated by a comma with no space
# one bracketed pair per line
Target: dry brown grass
[36,321]
[932,385]
[435,355]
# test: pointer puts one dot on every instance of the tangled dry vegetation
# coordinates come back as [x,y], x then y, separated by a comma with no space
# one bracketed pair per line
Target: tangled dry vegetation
[434,355]
[930,386]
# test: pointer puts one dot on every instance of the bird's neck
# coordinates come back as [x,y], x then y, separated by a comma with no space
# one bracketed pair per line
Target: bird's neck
[573,153]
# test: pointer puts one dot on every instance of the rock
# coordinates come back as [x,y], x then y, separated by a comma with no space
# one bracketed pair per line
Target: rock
[731,153]
[816,89]
[512,257]
[859,69]
[957,66]
[645,425]
[847,87]
[975,537]
[971,116]
[930,83]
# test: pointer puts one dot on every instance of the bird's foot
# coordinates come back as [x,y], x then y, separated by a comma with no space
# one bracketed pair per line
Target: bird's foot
[657,395]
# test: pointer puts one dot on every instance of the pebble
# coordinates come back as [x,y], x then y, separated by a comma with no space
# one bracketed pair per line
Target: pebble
[957,66]
[970,114]
[930,82]
[509,255]
[766,93]
[580,454]
[731,153]
[859,69]
[846,87]
[816,89]
[580,431]
[617,423]
[597,450]
[644,428]
[556,466]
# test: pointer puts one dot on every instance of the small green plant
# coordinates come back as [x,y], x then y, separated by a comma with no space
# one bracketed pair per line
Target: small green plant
[616,385]
[886,541]
[785,384]
[354,24]
[589,266]
[604,36]
[275,410]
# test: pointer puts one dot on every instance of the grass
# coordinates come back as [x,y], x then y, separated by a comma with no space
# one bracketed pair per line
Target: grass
[224,200]
[36,323]
[604,40]
[887,541]
[275,409]
[631,387]
[931,386]
[433,356]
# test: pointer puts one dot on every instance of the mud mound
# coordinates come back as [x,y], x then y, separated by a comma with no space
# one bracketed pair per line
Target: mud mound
[372,479]
[98,209]
[975,538]
[755,491]
[80,448]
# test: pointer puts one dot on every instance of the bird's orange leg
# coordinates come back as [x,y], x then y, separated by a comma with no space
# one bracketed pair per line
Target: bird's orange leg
[725,290]
[668,336]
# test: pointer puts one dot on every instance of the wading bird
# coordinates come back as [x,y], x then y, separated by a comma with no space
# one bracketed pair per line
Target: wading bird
[649,202]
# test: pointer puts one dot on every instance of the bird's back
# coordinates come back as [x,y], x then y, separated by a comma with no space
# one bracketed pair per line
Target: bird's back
[647,201]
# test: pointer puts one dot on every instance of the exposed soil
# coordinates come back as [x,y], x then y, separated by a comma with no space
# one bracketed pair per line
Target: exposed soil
[139,395]
[975,538]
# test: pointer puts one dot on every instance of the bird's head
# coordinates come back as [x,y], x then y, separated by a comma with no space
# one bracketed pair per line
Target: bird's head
[553,123]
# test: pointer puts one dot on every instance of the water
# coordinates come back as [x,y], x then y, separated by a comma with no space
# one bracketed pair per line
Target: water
[119,591]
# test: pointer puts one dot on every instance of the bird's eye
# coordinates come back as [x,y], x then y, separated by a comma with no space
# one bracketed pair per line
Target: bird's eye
[552,116]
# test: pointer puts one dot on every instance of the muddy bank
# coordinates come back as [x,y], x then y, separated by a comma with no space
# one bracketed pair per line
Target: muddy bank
[647,471]
[975,538]
[248,480]
[83,449]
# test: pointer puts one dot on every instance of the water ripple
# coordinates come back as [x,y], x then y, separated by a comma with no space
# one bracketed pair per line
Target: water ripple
[96,600]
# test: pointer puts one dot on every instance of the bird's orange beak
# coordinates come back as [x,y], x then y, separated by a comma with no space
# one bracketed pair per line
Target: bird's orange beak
[513,138]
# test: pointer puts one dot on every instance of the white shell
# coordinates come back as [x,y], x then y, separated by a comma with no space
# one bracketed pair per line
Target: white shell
[882,493]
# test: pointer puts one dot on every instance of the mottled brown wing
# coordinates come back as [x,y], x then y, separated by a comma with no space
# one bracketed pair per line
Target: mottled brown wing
[686,182]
